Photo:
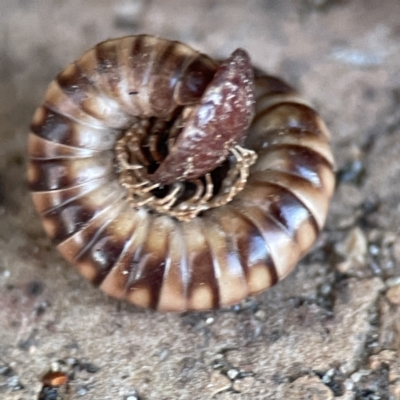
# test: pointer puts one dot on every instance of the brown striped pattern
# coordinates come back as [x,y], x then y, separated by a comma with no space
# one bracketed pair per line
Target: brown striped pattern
[152,260]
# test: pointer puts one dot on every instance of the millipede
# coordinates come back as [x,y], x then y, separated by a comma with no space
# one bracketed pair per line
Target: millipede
[174,180]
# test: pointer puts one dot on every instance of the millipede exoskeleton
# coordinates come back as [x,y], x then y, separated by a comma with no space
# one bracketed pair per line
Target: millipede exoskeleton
[176,181]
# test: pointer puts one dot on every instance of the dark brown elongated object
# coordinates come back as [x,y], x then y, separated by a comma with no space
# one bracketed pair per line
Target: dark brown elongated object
[175,181]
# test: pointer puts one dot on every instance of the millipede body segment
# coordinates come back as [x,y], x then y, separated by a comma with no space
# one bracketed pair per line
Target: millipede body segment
[176,181]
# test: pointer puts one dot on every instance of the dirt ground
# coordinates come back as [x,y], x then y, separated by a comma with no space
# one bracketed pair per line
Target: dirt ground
[329,331]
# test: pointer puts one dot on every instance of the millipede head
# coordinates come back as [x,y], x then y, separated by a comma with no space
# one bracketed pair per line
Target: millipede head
[215,126]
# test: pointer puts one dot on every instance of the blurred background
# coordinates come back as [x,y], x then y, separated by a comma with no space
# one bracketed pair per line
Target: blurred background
[329,331]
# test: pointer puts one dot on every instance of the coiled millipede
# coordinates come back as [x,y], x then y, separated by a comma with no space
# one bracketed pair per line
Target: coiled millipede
[176,181]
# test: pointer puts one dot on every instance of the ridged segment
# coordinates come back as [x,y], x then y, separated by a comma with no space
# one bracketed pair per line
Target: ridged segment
[55,174]
[80,248]
[246,240]
[57,128]
[229,273]
[286,209]
[202,287]
[64,220]
[145,283]
[289,115]
[267,139]
[82,93]
[314,198]
[153,260]
[173,293]
[43,149]
[125,270]
[51,199]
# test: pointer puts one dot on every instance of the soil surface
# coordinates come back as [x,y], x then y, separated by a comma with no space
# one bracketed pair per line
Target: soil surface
[331,330]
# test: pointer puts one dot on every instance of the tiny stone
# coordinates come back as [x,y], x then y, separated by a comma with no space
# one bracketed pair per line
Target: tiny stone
[82,390]
[345,222]
[388,355]
[209,320]
[14,383]
[393,281]
[71,361]
[330,372]
[348,384]
[375,362]
[374,236]
[91,368]
[356,377]
[217,363]
[343,267]
[324,290]
[260,315]
[393,294]
[308,387]
[326,379]
[243,385]
[354,247]
[55,366]
[373,249]
[359,374]
[218,382]
[232,374]
[132,396]
[395,390]
[164,354]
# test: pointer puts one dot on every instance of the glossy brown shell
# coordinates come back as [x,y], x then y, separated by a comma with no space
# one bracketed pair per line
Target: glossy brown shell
[153,260]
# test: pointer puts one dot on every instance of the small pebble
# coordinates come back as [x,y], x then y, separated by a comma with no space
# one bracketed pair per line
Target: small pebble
[344,267]
[232,374]
[354,247]
[393,295]
[82,390]
[395,390]
[91,368]
[55,366]
[327,378]
[260,315]
[218,362]
[348,384]
[356,376]
[164,354]
[132,396]
[243,385]
[71,361]
[218,383]
[393,281]
[375,362]
[307,387]
[373,249]
[13,382]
